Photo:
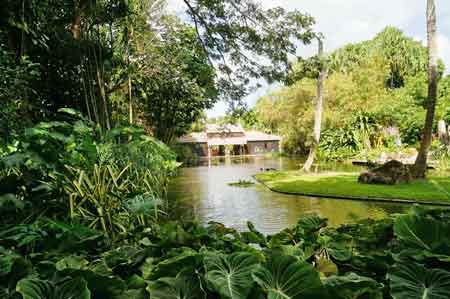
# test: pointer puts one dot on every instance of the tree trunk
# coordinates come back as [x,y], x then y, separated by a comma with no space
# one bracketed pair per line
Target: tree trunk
[317,113]
[130,97]
[420,166]
[442,132]
[80,11]
[104,109]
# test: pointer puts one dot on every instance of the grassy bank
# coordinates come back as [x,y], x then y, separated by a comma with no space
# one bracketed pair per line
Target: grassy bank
[345,185]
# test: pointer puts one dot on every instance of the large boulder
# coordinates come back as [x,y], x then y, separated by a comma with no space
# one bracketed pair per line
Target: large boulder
[390,173]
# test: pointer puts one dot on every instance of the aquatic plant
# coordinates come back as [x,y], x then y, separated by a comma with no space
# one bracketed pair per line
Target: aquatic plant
[242,183]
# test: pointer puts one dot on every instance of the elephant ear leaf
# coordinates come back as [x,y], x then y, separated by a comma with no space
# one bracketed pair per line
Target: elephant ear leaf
[35,289]
[231,275]
[284,277]
[414,281]
[420,232]
[44,289]
[353,286]
[181,287]
[4,293]
[311,223]
[101,286]
[74,288]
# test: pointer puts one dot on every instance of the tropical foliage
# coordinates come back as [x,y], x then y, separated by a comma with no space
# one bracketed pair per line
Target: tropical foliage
[373,86]
[69,168]
[90,87]
[134,62]
[391,258]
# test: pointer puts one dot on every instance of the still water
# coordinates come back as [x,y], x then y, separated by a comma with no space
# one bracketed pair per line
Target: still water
[203,192]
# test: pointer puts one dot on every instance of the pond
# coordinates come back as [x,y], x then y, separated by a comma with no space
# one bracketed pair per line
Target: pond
[203,192]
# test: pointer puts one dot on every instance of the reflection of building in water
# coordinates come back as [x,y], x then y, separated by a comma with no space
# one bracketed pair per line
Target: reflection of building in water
[230,140]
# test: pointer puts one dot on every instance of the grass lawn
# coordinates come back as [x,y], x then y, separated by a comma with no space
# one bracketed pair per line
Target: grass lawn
[344,184]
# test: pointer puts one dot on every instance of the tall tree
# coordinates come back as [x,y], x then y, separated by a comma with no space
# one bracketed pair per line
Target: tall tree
[244,40]
[79,14]
[100,51]
[175,83]
[420,166]
[318,109]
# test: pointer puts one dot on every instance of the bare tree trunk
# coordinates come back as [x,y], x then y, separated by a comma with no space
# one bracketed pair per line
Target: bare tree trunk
[80,11]
[101,86]
[90,79]
[130,98]
[420,166]
[317,113]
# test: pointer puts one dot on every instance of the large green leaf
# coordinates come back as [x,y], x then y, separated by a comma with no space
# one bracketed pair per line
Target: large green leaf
[71,262]
[334,247]
[35,289]
[353,286]
[294,250]
[284,277]
[44,289]
[413,281]
[284,237]
[425,235]
[309,224]
[4,293]
[181,287]
[326,267]
[6,264]
[101,286]
[134,294]
[171,266]
[231,275]
[10,203]
[13,268]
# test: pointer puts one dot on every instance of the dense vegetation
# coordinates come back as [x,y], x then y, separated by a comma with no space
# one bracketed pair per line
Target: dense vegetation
[391,258]
[372,86]
[89,88]
[68,169]
[132,62]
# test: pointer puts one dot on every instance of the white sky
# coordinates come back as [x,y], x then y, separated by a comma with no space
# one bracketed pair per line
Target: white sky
[345,21]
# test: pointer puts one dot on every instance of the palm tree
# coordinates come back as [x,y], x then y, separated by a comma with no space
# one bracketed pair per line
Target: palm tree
[317,111]
[420,165]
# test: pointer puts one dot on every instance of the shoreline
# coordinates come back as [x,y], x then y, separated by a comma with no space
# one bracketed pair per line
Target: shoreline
[354,198]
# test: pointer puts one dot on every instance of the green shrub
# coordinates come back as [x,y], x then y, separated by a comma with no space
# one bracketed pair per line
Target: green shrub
[72,169]
[401,257]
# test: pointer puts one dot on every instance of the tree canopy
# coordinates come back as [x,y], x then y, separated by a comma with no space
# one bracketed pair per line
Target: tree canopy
[374,84]
[121,61]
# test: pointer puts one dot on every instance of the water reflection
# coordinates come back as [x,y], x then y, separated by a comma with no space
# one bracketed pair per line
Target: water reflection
[204,192]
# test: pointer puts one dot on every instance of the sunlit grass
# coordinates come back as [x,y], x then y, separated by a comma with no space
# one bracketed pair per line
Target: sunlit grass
[345,184]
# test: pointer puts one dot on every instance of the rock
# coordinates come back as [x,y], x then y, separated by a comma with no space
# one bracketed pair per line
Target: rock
[390,173]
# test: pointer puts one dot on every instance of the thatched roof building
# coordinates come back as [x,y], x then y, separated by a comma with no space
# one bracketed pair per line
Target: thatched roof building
[217,139]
